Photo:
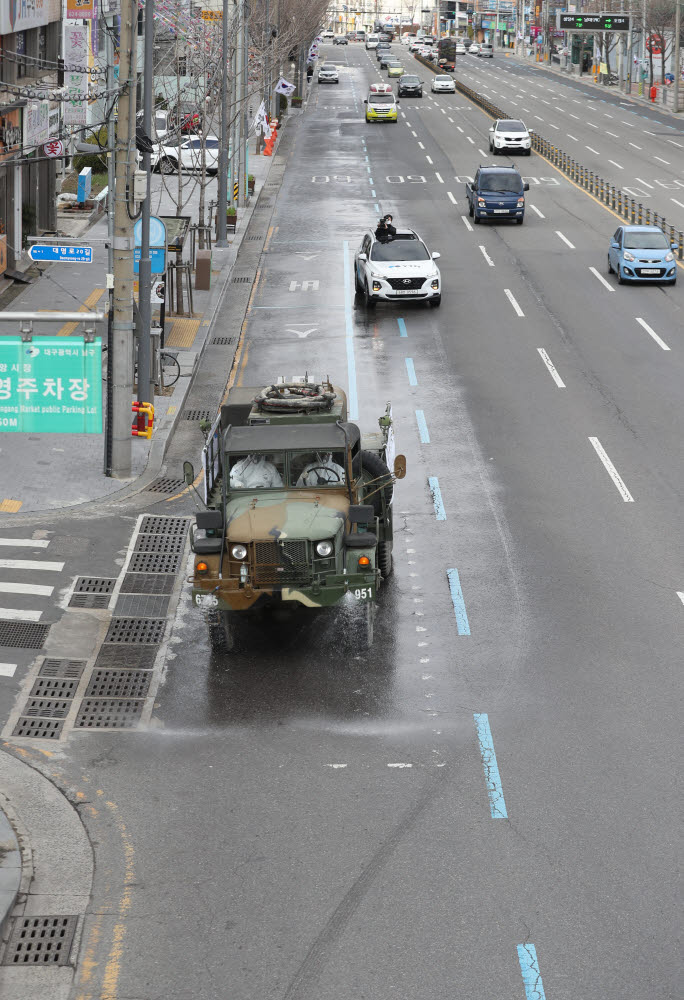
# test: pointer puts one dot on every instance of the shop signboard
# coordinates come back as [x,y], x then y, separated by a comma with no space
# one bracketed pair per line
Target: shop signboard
[18,15]
[36,124]
[51,385]
[86,9]
[10,133]
[75,55]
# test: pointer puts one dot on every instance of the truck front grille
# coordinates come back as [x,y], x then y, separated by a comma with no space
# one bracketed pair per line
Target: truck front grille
[269,566]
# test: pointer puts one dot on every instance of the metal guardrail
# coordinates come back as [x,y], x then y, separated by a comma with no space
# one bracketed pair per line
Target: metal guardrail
[608,194]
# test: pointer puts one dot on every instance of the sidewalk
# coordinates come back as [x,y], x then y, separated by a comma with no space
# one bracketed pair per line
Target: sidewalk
[70,466]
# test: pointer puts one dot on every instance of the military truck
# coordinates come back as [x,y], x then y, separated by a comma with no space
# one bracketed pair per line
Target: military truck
[298,507]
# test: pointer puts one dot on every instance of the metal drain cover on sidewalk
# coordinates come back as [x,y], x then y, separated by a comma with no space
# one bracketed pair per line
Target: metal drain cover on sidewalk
[23,635]
[165,485]
[136,630]
[47,708]
[153,524]
[242,280]
[119,684]
[160,543]
[53,667]
[54,687]
[154,562]
[95,585]
[40,941]
[222,341]
[89,601]
[39,729]
[141,606]
[197,414]
[109,713]
[122,657]
[147,583]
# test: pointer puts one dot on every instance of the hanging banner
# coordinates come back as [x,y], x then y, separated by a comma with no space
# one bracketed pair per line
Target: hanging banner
[75,54]
[283,87]
[36,124]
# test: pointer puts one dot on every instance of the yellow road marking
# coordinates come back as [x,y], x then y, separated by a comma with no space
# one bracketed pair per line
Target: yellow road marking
[183,333]
[112,970]
[89,304]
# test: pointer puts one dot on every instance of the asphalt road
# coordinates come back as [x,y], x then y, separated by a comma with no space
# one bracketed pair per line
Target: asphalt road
[485,805]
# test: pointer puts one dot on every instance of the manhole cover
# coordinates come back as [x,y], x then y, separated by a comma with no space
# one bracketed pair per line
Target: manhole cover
[40,729]
[141,606]
[47,708]
[40,941]
[109,713]
[196,414]
[142,630]
[53,667]
[123,657]
[54,687]
[160,543]
[165,485]
[160,525]
[23,635]
[154,562]
[89,601]
[95,585]
[119,684]
[222,341]
[148,583]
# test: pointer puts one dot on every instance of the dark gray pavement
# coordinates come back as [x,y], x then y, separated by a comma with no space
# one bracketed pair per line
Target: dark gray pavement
[307,819]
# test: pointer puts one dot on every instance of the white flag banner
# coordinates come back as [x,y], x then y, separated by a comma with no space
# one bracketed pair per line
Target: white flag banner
[283,87]
[261,121]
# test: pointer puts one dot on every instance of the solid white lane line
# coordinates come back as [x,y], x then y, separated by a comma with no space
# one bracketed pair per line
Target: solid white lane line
[565,239]
[616,164]
[666,162]
[635,145]
[26,543]
[601,279]
[592,150]
[645,183]
[421,145]
[429,159]
[511,298]
[486,256]
[36,589]
[451,198]
[17,615]
[7,669]
[611,470]
[467,223]
[49,567]
[659,341]
[535,209]
[439,177]
[551,367]
[681,205]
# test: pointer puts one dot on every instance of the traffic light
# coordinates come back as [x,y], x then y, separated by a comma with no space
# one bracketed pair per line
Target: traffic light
[450,11]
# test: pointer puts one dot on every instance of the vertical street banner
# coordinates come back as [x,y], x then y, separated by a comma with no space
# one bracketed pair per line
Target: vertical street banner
[76,82]
[51,385]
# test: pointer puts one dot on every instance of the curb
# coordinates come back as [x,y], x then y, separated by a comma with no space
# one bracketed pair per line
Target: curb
[11,865]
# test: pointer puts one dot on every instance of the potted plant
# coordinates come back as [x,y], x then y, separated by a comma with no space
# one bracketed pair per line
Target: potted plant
[250,183]
[231,220]
[296,101]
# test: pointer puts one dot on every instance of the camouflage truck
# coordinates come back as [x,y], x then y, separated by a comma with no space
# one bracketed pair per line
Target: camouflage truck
[298,507]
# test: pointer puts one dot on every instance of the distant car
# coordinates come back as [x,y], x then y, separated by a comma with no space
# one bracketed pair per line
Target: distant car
[410,86]
[407,38]
[340,40]
[467,42]
[394,67]
[509,133]
[486,51]
[444,84]
[474,49]
[642,253]
[414,44]
[401,269]
[382,49]
[385,58]
[372,41]
[165,158]
[328,34]
[328,74]
[460,49]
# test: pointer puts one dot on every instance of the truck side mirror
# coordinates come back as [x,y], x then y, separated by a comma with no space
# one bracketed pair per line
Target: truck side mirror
[526,187]
[400,466]
[188,473]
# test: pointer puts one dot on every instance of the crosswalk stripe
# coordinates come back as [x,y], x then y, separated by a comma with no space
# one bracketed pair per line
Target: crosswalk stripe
[17,615]
[26,543]
[52,567]
[7,669]
[37,589]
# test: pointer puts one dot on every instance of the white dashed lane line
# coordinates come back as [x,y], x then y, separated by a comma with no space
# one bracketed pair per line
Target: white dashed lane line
[421,145]
[611,470]
[467,223]
[535,209]
[574,137]
[666,162]
[451,198]
[606,284]
[486,256]
[592,150]
[645,183]
[619,166]
[439,177]
[551,367]
[635,145]
[681,204]
[471,141]
[659,341]
[565,239]
[551,125]
[511,298]
[429,159]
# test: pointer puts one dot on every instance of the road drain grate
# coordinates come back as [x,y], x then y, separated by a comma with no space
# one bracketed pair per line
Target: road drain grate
[95,585]
[222,341]
[23,635]
[160,543]
[196,414]
[165,485]
[122,657]
[40,941]
[242,280]
[47,708]
[252,239]
[89,601]
[119,684]
[154,562]
[53,667]
[137,630]
[141,606]
[147,583]
[109,713]
[40,729]
[161,525]
[54,687]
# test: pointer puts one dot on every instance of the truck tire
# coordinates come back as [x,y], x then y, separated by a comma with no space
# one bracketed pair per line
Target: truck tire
[220,631]
[385,564]
[375,469]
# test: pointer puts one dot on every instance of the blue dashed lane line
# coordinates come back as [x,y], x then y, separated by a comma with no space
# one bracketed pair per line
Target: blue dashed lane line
[411,371]
[462,623]
[422,427]
[531,976]
[402,328]
[440,512]
[497,806]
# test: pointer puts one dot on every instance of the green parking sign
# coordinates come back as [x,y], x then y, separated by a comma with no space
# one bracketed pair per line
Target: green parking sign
[51,385]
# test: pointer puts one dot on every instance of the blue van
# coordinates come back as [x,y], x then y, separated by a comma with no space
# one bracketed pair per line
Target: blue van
[497,192]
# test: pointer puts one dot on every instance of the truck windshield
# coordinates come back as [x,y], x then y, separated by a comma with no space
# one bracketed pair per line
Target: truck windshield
[257,471]
[508,183]
[316,468]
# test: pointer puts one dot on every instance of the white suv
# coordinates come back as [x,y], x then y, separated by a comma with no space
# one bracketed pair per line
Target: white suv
[404,268]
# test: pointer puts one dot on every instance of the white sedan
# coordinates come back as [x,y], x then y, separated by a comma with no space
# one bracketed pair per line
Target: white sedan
[474,49]
[460,49]
[165,159]
[443,84]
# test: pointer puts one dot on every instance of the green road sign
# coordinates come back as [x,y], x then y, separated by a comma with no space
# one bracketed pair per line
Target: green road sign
[592,22]
[51,385]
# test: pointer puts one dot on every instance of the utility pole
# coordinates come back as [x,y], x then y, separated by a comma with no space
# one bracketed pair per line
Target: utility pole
[677,67]
[122,324]
[145,379]
[244,130]
[222,205]
[111,181]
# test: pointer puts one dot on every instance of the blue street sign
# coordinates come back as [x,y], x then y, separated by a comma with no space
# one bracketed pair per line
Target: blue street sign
[43,251]
[157,260]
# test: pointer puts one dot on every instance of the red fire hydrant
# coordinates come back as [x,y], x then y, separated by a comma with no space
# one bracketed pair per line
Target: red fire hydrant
[653,93]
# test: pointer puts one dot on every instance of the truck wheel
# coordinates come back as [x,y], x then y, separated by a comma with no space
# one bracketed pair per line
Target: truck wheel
[470,209]
[220,631]
[377,472]
[385,564]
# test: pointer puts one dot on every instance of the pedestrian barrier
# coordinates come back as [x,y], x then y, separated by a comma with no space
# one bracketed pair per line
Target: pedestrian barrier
[144,423]
[606,193]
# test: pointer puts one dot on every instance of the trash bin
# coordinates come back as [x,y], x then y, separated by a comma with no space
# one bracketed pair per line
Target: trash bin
[203,271]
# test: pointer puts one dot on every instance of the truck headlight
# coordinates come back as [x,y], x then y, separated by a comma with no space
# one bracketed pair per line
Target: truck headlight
[238,552]
[521,202]
[324,549]
[481,202]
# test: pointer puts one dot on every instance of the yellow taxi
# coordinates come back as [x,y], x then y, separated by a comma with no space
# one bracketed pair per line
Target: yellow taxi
[394,68]
[381,107]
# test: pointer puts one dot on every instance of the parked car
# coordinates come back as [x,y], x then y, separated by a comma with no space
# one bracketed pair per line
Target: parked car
[188,153]
[642,253]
